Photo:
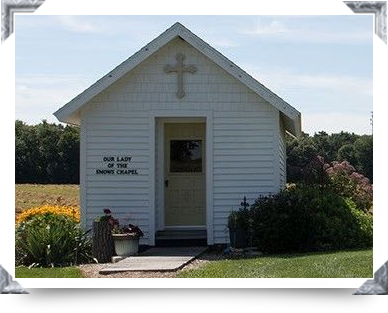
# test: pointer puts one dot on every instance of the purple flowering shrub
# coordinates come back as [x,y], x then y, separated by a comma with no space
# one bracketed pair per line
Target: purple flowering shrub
[342,178]
[345,181]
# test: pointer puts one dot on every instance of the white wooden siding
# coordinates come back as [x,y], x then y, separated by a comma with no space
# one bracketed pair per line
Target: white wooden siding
[282,156]
[111,132]
[117,122]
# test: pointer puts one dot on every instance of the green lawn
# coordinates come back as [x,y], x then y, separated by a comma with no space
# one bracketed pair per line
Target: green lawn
[344,264]
[55,272]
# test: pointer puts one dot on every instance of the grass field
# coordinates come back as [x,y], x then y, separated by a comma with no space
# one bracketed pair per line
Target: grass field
[56,272]
[32,195]
[343,264]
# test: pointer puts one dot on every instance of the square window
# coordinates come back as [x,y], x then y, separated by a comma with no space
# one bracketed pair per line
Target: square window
[185,156]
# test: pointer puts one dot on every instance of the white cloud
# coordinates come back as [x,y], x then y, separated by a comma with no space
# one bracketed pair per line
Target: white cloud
[273,27]
[78,24]
[280,31]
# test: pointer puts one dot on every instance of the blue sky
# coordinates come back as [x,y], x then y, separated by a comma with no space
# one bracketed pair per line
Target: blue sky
[322,65]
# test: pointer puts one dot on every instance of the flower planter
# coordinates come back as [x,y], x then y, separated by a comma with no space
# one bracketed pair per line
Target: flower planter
[238,238]
[126,245]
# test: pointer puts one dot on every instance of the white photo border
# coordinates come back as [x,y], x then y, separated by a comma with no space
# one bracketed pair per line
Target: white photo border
[187,283]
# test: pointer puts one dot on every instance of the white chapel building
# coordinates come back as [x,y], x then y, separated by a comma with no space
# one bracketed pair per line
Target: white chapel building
[175,137]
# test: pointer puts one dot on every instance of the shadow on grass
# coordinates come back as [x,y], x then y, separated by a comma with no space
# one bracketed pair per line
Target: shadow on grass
[315,253]
[214,254]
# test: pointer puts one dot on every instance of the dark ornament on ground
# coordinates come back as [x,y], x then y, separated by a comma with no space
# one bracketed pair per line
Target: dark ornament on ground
[238,238]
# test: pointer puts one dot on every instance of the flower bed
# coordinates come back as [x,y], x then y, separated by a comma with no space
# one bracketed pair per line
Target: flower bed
[51,236]
[70,211]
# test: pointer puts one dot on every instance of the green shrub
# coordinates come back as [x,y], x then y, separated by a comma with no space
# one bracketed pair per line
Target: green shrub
[307,218]
[238,219]
[51,240]
[363,236]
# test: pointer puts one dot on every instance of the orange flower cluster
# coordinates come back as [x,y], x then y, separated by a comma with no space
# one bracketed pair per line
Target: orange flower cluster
[71,211]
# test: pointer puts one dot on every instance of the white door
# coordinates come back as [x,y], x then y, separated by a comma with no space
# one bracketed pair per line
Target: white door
[184,174]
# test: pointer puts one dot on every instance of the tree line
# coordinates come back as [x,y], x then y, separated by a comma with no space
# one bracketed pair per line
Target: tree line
[343,146]
[48,153]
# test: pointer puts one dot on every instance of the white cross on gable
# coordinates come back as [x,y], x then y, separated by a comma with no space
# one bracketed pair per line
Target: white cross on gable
[180,69]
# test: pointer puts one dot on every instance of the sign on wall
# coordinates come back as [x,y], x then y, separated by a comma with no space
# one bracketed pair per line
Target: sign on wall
[116,165]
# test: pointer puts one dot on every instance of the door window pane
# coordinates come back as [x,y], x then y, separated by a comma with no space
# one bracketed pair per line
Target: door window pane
[185,156]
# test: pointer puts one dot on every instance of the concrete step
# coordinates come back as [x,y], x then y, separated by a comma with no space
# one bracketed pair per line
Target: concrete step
[180,238]
[180,234]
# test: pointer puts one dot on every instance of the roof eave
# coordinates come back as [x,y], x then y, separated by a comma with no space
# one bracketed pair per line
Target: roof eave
[292,126]
[73,118]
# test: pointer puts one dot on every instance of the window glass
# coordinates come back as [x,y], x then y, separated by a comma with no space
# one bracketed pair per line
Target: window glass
[185,156]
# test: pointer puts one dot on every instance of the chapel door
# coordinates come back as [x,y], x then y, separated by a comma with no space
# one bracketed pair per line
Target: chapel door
[185,187]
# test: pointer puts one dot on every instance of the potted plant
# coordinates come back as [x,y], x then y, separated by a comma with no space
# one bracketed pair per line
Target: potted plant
[238,228]
[126,239]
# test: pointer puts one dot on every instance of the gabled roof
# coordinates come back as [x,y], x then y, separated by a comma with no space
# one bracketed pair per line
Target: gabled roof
[69,113]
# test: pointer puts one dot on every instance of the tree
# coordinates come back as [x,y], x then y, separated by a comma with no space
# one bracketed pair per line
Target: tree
[364,156]
[26,152]
[46,153]
[48,161]
[347,153]
[69,154]
[343,146]
[300,151]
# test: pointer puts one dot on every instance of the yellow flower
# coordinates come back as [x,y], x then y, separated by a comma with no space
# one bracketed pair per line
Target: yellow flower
[71,211]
